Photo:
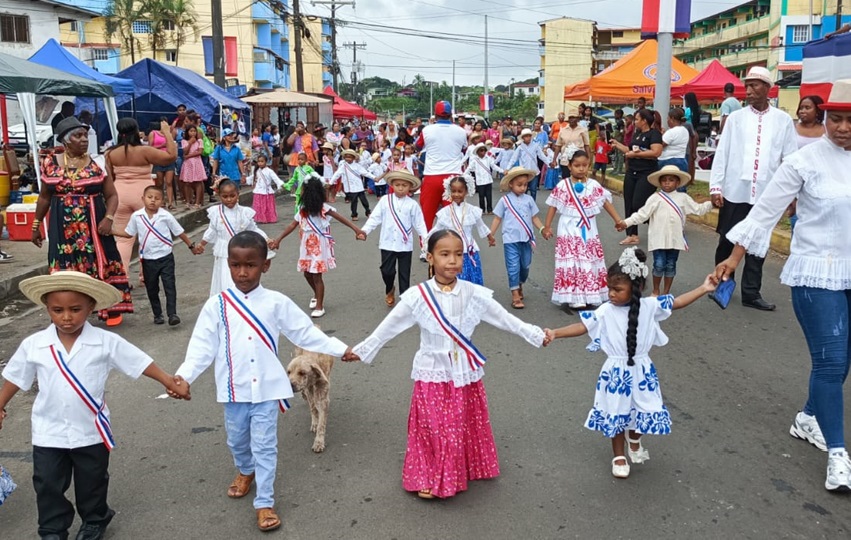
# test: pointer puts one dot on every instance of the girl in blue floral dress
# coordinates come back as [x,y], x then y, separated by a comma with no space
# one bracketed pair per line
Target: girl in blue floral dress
[628,398]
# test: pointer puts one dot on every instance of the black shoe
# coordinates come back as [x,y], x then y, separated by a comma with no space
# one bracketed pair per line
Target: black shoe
[55,537]
[159,319]
[173,320]
[94,531]
[213,199]
[760,304]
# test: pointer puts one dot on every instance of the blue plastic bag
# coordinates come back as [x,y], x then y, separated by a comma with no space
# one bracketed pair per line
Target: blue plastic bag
[7,485]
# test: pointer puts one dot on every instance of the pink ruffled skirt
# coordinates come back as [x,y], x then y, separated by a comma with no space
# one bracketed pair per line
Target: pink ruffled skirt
[264,208]
[449,438]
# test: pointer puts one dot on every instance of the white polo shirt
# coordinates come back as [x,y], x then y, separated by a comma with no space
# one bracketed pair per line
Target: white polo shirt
[444,143]
[155,234]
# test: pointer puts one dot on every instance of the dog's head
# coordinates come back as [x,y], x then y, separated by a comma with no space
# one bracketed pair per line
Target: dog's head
[305,372]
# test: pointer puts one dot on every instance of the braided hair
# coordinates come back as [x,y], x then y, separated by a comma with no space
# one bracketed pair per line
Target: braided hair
[615,273]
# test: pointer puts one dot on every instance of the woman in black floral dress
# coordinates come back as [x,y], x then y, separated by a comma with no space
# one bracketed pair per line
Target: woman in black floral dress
[81,198]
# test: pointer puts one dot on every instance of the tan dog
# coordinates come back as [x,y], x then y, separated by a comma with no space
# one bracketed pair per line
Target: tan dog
[309,374]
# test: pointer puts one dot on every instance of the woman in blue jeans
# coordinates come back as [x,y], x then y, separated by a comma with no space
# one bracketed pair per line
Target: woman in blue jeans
[818,270]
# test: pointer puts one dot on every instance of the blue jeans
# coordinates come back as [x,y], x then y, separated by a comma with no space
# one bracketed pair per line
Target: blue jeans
[532,186]
[252,430]
[665,262]
[518,259]
[680,163]
[823,316]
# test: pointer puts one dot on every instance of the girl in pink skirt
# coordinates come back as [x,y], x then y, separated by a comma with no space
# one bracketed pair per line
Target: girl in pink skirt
[266,183]
[449,432]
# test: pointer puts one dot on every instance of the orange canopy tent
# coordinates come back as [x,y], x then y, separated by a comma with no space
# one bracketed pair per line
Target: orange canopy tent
[630,78]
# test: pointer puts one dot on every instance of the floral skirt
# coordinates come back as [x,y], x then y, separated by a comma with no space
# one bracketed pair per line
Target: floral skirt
[449,438]
[472,270]
[580,269]
[628,398]
[264,207]
[316,254]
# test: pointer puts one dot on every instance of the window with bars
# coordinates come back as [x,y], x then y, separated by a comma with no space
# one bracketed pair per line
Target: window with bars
[100,54]
[141,27]
[14,28]
[171,55]
[800,33]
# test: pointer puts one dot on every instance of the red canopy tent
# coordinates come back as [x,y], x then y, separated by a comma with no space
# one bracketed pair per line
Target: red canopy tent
[708,85]
[347,109]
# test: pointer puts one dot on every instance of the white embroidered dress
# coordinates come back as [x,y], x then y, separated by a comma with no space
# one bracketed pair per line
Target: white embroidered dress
[225,223]
[466,215]
[439,359]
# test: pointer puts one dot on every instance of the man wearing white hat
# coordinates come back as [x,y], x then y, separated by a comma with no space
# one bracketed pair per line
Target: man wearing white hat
[755,140]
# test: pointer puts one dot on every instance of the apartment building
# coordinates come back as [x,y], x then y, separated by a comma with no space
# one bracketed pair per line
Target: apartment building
[316,54]
[566,48]
[613,44]
[26,25]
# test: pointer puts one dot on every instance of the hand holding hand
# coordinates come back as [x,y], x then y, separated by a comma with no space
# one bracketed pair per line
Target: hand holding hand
[491,240]
[620,226]
[717,200]
[180,389]
[548,337]
[547,233]
[199,249]
[274,245]
[350,356]
[710,283]
[360,235]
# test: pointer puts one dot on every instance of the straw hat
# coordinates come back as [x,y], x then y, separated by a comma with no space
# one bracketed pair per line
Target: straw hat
[479,146]
[507,140]
[512,174]
[327,146]
[840,97]
[526,131]
[403,175]
[350,153]
[758,73]
[376,155]
[475,136]
[572,112]
[488,143]
[670,170]
[104,295]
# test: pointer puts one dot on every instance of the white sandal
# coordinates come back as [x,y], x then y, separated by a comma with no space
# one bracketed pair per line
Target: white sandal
[637,456]
[312,303]
[620,471]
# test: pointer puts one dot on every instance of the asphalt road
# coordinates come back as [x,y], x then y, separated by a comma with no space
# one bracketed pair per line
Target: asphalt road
[733,381]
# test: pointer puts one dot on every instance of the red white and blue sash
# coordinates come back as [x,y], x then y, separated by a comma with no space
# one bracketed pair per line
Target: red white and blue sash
[474,356]
[324,233]
[230,299]
[459,226]
[228,227]
[516,214]
[406,233]
[152,230]
[573,198]
[101,421]
[667,198]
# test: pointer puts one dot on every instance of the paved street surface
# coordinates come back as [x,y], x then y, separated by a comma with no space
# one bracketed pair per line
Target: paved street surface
[732,380]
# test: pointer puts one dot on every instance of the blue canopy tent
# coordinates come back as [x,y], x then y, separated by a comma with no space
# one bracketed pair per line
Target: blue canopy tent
[160,88]
[54,55]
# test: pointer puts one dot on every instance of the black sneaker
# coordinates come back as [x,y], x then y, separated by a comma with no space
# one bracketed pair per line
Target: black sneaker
[5,257]
[159,319]
[173,320]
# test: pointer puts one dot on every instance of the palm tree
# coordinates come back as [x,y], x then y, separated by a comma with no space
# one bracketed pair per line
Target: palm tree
[119,18]
[182,12]
[156,11]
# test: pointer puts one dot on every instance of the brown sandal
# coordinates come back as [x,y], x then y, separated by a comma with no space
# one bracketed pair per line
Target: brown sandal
[267,519]
[240,486]
[425,494]
[518,304]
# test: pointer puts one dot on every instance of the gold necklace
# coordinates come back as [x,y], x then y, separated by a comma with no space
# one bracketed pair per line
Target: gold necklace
[446,287]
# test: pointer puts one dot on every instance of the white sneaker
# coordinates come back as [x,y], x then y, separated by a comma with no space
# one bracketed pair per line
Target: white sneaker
[838,473]
[620,471]
[312,303]
[316,313]
[806,427]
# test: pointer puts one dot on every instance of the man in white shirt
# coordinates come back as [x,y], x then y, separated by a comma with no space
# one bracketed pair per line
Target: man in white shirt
[443,143]
[730,104]
[754,143]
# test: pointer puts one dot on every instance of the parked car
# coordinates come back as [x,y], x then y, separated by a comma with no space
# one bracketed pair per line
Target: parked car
[18,137]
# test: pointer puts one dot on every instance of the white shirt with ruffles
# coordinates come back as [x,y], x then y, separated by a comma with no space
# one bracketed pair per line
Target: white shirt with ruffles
[465,306]
[468,216]
[820,254]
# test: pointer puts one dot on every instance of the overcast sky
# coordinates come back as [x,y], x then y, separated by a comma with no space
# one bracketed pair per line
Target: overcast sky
[513,32]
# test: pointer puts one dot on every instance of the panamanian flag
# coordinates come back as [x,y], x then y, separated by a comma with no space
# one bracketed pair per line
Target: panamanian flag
[666,16]
[825,61]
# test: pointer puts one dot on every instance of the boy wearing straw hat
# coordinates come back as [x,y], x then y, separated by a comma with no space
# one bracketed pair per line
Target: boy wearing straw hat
[666,209]
[71,430]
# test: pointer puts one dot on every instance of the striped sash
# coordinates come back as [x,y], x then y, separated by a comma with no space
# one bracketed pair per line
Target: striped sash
[573,198]
[516,214]
[475,358]
[152,231]
[459,226]
[101,421]
[324,233]
[228,227]
[406,232]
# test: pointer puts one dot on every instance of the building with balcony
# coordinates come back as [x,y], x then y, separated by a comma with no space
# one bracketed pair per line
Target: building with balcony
[793,25]
[738,37]
[256,44]
[26,25]
[613,44]
[566,47]
[316,54]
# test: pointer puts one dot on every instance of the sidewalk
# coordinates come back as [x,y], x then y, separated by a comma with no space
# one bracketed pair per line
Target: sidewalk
[31,261]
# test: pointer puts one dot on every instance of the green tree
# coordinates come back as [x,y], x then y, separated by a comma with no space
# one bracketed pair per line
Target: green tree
[156,11]
[119,18]
[185,21]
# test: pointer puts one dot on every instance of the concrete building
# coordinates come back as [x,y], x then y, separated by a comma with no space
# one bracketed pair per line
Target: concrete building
[526,90]
[316,55]
[793,24]
[25,25]
[738,37]
[566,46]
[256,44]
[613,44]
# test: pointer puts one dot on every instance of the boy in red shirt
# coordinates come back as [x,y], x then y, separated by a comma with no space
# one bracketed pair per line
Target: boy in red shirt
[601,154]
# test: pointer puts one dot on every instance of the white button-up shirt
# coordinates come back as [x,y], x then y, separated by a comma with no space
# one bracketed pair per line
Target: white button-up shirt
[155,234]
[60,418]
[266,181]
[527,156]
[404,214]
[481,168]
[749,152]
[352,176]
[247,367]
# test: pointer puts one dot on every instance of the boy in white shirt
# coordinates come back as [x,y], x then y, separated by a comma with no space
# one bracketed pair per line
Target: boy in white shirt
[506,155]
[482,167]
[71,430]
[399,215]
[155,228]
[351,175]
[238,329]
[377,169]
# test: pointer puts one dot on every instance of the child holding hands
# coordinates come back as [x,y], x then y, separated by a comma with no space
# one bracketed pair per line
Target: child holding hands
[71,429]
[666,210]
[628,401]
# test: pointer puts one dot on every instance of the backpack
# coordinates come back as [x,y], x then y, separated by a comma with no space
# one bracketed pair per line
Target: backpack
[208,146]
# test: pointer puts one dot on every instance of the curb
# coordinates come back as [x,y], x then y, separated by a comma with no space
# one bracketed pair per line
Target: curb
[780,239]
[188,220]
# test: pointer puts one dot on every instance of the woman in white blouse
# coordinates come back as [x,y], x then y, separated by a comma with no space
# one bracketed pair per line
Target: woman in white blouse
[818,270]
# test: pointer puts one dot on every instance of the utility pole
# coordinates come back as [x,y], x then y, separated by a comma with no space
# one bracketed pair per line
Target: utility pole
[298,27]
[487,102]
[838,16]
[218,43]
[354,46]
[453,86]
[431,96]
[335,64]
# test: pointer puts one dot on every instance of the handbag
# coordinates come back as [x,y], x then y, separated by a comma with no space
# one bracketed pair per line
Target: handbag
[208,147]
